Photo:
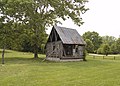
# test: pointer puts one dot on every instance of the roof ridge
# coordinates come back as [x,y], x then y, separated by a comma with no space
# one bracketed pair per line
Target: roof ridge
[65,27]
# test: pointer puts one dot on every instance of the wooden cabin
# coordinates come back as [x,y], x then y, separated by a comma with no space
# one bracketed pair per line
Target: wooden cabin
[64,44]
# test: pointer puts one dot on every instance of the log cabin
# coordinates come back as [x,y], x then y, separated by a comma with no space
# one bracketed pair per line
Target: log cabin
[65,44]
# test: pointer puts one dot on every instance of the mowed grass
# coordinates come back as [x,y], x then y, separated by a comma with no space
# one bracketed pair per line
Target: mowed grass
[20,69]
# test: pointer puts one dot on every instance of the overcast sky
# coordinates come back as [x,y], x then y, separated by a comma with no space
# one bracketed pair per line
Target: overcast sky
[103,17]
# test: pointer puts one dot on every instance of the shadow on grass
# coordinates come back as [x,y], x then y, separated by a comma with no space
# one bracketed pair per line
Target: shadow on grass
[91,63]
[6,52]
[21,60]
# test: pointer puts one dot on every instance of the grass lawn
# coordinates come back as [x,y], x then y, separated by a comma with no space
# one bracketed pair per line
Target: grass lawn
[20,69]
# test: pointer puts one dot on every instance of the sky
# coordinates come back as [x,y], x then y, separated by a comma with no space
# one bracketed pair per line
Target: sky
[103,17]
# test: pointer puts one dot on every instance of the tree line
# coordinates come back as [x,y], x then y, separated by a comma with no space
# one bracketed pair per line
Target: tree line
[101,44]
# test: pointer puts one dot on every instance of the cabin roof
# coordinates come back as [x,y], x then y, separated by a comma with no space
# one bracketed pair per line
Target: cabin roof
[69,36]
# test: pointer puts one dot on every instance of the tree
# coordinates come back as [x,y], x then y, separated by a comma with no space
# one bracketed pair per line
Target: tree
[118,45]
[94,37]
[108,39]
[113,48]
[105,49]
[9,30]
[36,15]
[89,46]
[1,37]
[7,36]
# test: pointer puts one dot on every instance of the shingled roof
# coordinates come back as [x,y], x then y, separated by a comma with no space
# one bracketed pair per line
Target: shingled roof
[69,36]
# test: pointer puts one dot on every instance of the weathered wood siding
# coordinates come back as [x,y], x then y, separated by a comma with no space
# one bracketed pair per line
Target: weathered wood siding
[54,49]
[81,51]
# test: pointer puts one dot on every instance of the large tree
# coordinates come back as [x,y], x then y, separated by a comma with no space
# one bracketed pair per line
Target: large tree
[8,26]
[36,15]
[104,49]
[108,40]
[95,38]
[8,36]
[89,46]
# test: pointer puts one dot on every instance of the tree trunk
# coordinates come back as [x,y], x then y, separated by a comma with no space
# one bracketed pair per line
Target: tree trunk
[3,52]
[35,51]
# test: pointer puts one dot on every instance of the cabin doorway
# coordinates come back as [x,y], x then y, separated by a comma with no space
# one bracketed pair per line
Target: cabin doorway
[68,50]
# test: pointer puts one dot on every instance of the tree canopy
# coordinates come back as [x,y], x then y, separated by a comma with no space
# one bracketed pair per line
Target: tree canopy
[89,46]
[101,44]
[108,40]
[94,38]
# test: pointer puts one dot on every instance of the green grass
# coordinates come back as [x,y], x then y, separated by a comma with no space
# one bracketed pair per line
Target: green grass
[20,69]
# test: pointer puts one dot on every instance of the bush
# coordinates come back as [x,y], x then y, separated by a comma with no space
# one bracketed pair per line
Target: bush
[84,55]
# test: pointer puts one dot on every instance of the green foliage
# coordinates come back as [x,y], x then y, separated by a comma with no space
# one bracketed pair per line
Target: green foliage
[108,40]
[94,37]
[100,50]
[104,49]
[98,43]
[89,46]
[8,35]
[113,48]
[85,55]
[118,45]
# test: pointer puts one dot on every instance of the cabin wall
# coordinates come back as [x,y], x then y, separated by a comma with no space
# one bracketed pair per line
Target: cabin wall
[80,52]
[54,49]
